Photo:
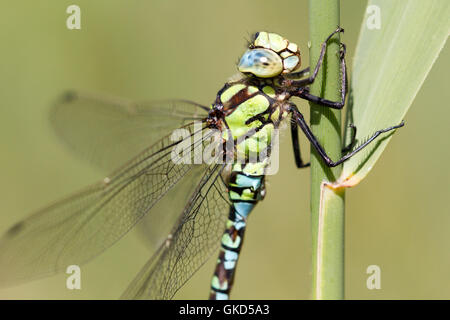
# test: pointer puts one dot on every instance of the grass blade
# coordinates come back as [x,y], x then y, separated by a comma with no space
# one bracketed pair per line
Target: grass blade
[390,65]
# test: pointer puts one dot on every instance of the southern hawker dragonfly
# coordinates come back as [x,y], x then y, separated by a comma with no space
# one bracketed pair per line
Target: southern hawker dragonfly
[245,112]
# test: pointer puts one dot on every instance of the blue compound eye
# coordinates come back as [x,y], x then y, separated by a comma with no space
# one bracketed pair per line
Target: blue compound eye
[261,62]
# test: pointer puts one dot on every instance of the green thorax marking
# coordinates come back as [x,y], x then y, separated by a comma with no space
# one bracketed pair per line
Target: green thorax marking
[241,104]
[251,116]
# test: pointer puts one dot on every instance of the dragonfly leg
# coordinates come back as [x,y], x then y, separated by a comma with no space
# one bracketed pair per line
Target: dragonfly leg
[349,147]
[323,49]
[296,146]
[299,74]
[321,151]
[303,92]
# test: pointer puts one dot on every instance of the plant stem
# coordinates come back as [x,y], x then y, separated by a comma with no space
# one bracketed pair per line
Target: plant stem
[327,205]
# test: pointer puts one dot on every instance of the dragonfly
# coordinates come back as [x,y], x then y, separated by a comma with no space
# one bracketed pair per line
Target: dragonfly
[108,131]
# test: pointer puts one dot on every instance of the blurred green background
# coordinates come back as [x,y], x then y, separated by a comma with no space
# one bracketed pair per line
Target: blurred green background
[397,218]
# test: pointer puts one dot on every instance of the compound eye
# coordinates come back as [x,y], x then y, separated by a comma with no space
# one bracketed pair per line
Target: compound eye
[262,63]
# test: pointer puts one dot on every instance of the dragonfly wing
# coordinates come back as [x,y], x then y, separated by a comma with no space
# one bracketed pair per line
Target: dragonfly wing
[153,229]
[108,131]
[82,226]
[189,245]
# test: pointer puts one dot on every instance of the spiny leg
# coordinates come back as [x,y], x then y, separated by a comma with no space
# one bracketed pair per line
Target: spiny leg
[321,151]
[349,147]
[312,77]
[304,92]
[296,143]
[296,146]
[299,74]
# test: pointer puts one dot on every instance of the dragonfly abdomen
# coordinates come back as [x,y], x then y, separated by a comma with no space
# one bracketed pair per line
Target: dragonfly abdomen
[244,192]
[250,115]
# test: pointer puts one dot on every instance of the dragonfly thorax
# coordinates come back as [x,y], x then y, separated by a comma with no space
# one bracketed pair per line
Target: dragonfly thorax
[247,112]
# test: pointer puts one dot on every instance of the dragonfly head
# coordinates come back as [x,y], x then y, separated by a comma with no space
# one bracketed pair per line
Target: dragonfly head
[270,55]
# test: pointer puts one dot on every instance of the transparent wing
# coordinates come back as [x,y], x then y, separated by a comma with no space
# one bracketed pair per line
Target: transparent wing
[80,227]
[108,131]
[192,241]
[153,229]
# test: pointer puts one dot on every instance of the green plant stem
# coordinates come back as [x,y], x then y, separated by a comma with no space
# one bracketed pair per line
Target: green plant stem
[327,205]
